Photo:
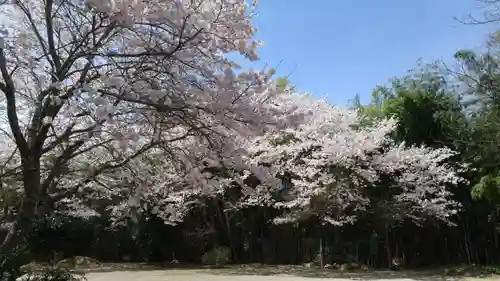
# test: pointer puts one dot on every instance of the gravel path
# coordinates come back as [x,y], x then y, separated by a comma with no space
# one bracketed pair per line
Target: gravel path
[186,275]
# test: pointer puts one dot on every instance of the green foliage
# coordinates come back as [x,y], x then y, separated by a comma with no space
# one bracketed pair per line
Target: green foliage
[487,188]
[283,83]
[481,75]
[284,140]
[427,112]
[217,256]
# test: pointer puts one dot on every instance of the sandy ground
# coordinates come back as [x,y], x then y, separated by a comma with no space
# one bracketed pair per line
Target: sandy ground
[187,275]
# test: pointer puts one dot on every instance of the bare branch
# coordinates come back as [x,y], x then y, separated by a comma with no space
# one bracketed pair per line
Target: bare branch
[9,90]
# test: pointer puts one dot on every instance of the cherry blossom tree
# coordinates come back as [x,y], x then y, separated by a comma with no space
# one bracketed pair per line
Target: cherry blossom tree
[329,166]
[111,100]
[330,162]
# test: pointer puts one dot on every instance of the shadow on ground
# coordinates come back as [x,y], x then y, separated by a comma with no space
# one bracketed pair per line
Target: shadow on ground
[110,267]
[300,271]
[450,273]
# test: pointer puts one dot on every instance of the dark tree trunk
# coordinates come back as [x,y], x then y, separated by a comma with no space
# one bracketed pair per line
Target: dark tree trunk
[15,244]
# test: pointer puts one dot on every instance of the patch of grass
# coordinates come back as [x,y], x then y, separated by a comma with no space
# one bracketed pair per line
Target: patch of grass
[463,270]
[494,269]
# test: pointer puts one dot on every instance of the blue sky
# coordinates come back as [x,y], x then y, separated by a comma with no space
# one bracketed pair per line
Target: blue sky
[343,48]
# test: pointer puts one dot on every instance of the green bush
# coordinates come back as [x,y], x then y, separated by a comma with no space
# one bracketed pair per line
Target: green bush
[54,274]
[217,256]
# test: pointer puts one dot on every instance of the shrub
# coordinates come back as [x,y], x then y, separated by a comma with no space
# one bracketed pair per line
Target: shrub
[54,274]
[217,256]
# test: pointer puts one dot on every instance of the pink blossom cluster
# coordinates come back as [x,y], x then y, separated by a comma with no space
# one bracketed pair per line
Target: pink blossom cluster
[331,161]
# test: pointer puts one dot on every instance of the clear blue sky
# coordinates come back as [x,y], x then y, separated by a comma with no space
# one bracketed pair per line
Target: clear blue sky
[343,48]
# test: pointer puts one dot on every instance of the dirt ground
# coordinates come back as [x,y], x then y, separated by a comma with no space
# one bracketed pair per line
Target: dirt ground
[185,276]
[210,275]
[254,272]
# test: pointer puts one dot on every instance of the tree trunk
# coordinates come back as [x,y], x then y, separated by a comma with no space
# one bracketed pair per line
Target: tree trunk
[388,246]
[321,253]
[227,222]
[15,244]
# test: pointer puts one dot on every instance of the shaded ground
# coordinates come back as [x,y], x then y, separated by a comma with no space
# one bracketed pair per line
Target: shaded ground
[297,270]
[301,271]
